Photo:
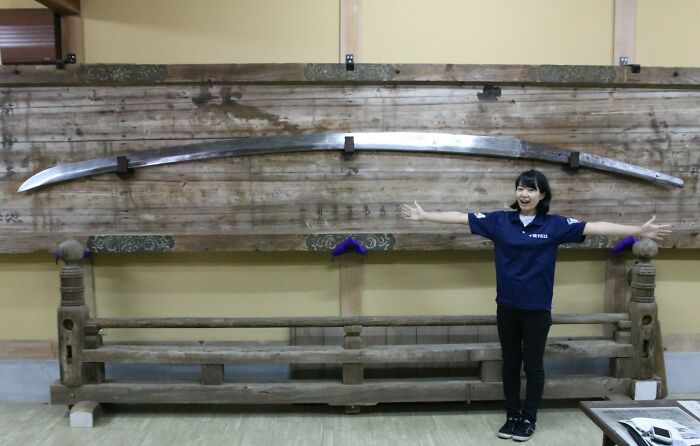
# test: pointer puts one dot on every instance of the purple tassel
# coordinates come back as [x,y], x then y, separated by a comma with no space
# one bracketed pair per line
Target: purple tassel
[624,243]
[349,244]
[57,255]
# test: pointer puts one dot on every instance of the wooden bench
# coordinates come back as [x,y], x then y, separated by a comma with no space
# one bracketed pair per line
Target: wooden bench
[630,350]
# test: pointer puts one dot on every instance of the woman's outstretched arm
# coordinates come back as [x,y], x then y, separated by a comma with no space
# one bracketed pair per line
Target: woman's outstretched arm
[417,213]
[648,229]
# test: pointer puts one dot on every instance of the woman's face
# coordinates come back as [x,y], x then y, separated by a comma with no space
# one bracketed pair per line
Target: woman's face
[528,198]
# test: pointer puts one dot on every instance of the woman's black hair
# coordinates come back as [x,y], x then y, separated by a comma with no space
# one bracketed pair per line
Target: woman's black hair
[536,180]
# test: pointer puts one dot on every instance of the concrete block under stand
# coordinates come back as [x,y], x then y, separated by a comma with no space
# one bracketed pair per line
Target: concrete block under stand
[84,414]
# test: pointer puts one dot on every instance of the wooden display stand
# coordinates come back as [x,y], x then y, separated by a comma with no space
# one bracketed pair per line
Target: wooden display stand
[82,355]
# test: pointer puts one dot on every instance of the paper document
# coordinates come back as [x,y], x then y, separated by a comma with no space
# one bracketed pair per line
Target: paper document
[692,407]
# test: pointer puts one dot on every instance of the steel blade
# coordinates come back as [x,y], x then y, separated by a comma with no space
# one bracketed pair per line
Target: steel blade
[415,142]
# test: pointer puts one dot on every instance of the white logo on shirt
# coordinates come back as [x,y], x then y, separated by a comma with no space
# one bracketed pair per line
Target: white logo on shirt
[538,235]
[479,215]
[571,221]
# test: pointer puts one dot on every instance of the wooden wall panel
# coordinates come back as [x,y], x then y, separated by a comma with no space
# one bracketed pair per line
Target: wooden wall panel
[277,201]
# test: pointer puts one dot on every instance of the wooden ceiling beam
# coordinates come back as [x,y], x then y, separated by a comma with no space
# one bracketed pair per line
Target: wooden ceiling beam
[63,7]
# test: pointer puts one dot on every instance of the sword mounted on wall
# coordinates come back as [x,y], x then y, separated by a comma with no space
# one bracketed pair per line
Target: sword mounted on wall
[349,143]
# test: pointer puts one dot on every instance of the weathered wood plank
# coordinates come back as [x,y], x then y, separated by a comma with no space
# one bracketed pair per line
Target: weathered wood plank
[212,374]
[307,336]
[332,340]
[333,393]
[322,321]
[435,335]
[401,336]
[424,353]
[615,298]
[47,242]
[375,336]
[278,200]
[561,348]
[111,114]
[567,75]
[462,334]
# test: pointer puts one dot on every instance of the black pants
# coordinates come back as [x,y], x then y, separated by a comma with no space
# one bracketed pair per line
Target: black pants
[523,336]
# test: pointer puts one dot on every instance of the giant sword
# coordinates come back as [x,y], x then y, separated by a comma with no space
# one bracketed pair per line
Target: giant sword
[442,143]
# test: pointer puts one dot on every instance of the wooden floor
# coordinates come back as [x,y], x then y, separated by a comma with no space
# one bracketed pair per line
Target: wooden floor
[560,423]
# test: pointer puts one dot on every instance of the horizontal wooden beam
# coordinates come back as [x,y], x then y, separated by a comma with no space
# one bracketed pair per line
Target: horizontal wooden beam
[326,354]
[682,238]
[329,392]
[371,74]
[366,321]
[70,7]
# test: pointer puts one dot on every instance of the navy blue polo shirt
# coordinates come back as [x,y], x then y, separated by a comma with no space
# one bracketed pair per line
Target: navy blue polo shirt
[525,256]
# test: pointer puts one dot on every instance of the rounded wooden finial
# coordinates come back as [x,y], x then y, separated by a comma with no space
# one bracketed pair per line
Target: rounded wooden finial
[70,251]
[645,248]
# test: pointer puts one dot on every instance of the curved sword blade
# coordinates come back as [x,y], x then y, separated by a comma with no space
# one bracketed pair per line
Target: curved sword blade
[443,143]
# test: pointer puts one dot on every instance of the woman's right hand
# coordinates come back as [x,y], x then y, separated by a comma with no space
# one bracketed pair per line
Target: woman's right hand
[412,212]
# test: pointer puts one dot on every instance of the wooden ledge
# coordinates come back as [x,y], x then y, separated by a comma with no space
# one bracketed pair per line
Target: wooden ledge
[368,74]
[159,354]
[329,392]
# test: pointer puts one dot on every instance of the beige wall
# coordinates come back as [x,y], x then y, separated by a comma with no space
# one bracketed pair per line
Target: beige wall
[454,31]
[488,32]
[213,31]
[19,4]
[407,31]
[668,33]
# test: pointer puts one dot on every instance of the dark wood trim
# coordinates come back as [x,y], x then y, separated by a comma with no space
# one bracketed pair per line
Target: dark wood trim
[47,242]
[296,73]
[66,7]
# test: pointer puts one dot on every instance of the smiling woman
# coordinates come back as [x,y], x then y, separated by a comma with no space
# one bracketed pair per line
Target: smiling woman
[526,241]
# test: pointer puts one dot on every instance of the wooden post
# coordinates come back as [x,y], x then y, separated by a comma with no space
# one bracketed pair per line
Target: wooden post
[352,373]
[350,29]
[72,314]
[351,283]
[212,374]
[490,371]
[643,316]
[624,31]
[94,372]
[72,40]
[643,308]
[615,288]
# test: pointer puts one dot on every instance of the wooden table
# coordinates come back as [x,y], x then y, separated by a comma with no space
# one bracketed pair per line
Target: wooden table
[605,414]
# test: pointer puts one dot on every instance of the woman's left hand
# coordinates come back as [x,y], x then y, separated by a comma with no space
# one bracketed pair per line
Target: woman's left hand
[655,232]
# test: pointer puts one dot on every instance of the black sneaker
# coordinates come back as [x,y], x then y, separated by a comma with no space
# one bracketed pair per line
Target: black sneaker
[524,430]
[507,430]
